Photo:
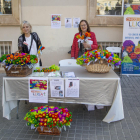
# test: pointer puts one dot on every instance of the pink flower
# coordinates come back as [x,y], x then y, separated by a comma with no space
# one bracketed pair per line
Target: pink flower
[25,43]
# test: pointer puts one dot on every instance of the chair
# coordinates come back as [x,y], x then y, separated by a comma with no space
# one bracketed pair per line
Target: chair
[69,52]
[115,50]
[68,62]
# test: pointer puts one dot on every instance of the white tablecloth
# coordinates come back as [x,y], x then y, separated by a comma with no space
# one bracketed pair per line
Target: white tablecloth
[95,89]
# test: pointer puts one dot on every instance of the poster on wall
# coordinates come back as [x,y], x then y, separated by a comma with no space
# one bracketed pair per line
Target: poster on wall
[68,22]
[38,90]
[55,21]
[76,22]
[131,45]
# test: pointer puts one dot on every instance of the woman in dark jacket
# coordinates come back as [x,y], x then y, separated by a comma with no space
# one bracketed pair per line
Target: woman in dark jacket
[29,41]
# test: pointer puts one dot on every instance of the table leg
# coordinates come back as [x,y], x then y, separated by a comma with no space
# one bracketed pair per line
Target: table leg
[17,108]
[84,107]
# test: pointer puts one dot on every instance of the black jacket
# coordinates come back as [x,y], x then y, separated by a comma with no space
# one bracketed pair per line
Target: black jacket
[22,47]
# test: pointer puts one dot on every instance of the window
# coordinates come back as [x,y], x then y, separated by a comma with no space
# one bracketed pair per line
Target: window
[10,12]
[5,48]
[115,7]
[5,7]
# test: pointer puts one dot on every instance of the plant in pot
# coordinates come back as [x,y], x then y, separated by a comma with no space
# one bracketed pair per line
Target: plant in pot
[106,10]
[49,119]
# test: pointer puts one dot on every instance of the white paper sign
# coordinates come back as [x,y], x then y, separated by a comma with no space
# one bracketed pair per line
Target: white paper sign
[68,74]
[68,22]
[54,74]
[38,90]
[71,87]
[57,87]
[76,22]
[56,21]
[37,74]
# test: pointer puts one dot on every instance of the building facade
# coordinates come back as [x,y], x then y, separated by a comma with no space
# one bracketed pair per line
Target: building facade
[104,16]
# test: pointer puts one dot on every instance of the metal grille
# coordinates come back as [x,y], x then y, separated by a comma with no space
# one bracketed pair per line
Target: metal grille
[110,44]
[5,48]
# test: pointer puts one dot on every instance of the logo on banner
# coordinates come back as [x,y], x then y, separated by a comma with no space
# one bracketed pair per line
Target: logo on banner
[133,22]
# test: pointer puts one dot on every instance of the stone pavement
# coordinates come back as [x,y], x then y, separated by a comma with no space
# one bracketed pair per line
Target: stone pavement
[86,125]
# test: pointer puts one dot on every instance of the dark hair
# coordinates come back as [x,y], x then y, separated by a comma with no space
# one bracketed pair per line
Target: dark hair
[88,28]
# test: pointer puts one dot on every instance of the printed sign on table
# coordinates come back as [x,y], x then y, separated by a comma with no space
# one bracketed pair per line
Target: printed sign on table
[56,21]
[71,87]
[131,45]
[57,87]
[38,90]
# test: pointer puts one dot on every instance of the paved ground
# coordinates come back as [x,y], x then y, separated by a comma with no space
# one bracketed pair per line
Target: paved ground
[86,125]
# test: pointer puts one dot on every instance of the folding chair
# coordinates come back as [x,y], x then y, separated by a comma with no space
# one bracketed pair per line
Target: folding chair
[68,62]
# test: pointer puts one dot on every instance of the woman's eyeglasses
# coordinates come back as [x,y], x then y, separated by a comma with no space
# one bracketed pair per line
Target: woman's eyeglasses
[83,25]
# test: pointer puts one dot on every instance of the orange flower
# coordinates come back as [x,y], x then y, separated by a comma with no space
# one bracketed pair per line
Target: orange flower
[78,36]
[129,49]
[137,50]
[8,58]
[82,37]
[86,34]
[11,56]
[89,35]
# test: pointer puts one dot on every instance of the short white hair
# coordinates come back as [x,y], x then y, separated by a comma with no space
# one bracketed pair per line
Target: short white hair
[25,22]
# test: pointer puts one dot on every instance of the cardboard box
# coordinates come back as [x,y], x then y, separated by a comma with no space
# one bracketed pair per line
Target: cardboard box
[99,106]
[90,107]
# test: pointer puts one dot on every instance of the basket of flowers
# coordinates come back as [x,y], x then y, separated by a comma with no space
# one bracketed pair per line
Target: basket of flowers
[99,61]
[18,64]
[49,120]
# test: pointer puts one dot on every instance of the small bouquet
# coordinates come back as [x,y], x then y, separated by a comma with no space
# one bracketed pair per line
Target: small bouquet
[40,49]
[50,69]
[49,116]
[95,55]
[84,38]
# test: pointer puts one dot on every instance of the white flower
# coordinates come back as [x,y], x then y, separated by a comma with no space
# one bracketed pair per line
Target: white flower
[125,53]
